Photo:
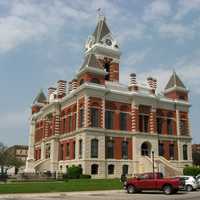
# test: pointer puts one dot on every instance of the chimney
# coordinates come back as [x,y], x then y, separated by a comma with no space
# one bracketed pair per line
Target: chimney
[70,86]
[50,91]
[132,82]
[132,79]
[154,84]
[61,88]
[74,84]
[150,82]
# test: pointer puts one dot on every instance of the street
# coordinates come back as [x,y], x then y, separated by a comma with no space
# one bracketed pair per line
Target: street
[105,195]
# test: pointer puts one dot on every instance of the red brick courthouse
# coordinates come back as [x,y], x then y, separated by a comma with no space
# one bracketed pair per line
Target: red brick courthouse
[106,127]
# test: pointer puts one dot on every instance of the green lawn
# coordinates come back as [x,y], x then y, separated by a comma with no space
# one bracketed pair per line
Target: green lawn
[61,186]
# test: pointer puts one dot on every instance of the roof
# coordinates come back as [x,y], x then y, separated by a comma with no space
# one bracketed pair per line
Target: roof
[90,61]
[40,98]
[101,29]
[174,81]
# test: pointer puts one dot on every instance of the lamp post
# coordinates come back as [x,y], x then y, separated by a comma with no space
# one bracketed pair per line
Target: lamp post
[153,164]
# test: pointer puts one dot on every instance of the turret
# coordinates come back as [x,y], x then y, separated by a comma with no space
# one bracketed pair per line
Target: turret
[175,89]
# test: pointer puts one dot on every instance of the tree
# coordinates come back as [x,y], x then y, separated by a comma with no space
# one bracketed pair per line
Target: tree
[7,159]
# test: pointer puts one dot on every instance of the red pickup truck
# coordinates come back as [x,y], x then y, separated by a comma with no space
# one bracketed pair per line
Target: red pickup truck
[153,181]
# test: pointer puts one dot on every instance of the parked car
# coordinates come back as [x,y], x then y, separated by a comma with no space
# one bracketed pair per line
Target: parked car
[190,183]
[153,181]
[198,180]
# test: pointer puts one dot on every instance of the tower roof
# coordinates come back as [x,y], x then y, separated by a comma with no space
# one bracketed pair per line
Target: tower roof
[40,98]
[174,81]
[101,29]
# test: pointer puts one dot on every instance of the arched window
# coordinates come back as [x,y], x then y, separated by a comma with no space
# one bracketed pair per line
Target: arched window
[94,117]
[124,150]
[95,80]
[111,169]
[94,169]
[109,148]
[185,152]
[125,169]
[146,149]
[94,148]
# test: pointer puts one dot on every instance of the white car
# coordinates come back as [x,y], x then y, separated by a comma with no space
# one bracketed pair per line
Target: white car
[198,180]
[190,183]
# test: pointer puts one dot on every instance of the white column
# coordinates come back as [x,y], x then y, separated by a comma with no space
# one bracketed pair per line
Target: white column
[86,111]
[30,159]
[103,112]
[54,154]
[178,134]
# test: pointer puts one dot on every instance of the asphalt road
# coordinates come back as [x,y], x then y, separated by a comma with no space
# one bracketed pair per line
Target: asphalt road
[105,195]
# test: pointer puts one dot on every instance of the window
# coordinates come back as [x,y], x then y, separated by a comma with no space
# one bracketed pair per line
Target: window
[81,81]
[64,125]
[159,125]
[70,123]
[124,150]
[94,169]
[169,126]
[109,119]
[185,152]
[125,169]
[111,169]
[123,121]
[171,151]
[80,148]
[67,150]
[161,149]
[95,80]
[94,117]
[74,149]
[48,151]
[183,127]
[61,152]
[94,148]
[81,115]
[107,69]
[110,149]
[143,123]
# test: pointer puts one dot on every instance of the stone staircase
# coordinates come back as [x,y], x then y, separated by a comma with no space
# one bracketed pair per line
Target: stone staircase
[161,165]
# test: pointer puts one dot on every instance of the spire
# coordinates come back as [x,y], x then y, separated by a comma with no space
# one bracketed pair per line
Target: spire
[101,29]
[174,81]
[40,98]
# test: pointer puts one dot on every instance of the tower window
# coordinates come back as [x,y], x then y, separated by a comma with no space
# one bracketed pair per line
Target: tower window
[107,69]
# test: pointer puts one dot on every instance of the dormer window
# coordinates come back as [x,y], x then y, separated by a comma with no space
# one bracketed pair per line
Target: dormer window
[95,80]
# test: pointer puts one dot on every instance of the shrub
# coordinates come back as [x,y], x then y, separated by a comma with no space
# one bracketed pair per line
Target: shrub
[74,172]
[191,171]
[85,176]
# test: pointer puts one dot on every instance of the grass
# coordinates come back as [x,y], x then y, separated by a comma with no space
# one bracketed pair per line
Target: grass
[61,186]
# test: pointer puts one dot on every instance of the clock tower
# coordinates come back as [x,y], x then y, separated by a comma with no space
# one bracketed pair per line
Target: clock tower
[102,56]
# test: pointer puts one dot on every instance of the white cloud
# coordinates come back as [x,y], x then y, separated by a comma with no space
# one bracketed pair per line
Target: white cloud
[157,10]
[175,30]
[185,7]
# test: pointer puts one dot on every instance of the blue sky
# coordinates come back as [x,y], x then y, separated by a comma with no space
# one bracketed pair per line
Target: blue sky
[42,42]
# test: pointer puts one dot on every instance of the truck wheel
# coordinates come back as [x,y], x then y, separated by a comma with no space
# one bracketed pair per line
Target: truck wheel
[167,189]
[131,189]
[189,188]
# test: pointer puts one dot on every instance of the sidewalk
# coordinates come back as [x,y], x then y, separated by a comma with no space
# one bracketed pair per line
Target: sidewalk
[58,194]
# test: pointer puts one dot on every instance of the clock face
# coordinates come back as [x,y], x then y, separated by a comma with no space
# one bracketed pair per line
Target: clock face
[108,42]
